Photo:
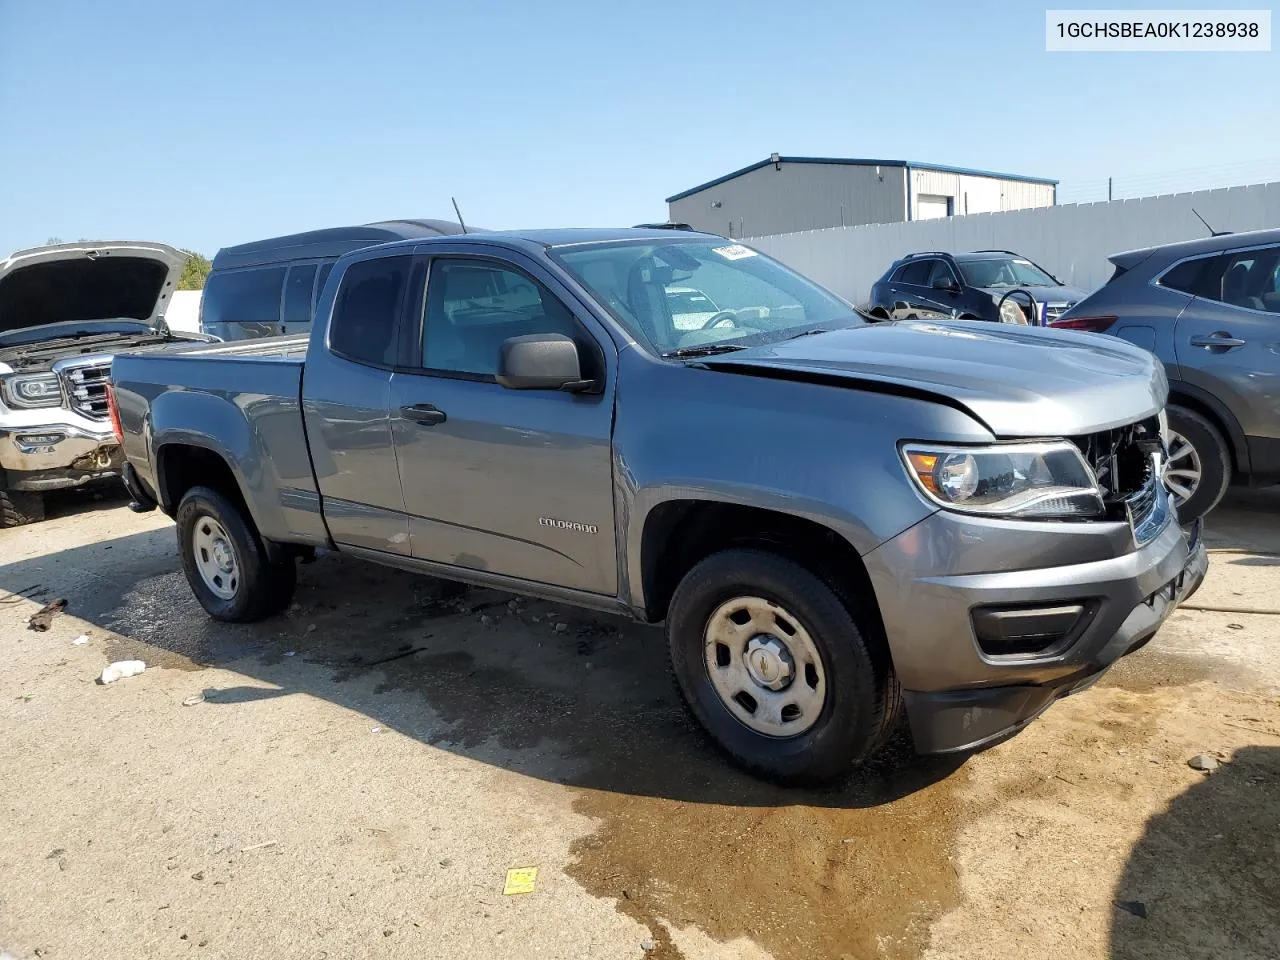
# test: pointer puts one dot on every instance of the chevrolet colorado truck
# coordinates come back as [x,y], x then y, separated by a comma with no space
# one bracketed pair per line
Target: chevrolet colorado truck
[836,520]
[64,310]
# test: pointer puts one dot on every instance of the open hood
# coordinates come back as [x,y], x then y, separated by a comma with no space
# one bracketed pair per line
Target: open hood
[73,283]
[1018,381]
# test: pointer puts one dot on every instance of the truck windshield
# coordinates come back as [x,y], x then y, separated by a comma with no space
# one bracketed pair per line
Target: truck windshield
[682,295]
[1004,272]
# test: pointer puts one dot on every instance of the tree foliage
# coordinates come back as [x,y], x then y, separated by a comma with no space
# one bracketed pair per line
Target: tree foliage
[194,272]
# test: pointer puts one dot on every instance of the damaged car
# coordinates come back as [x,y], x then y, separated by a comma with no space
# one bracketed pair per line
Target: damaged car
[64,311]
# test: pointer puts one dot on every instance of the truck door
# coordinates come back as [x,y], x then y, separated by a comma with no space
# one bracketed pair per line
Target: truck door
[346,408]
[513,482]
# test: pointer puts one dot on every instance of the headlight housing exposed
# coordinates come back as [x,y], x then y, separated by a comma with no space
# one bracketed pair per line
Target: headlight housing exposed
[33,390]
[1029,481]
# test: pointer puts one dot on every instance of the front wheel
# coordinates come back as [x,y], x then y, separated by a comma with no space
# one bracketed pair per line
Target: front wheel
[775,668]
[19,507]
[225,562]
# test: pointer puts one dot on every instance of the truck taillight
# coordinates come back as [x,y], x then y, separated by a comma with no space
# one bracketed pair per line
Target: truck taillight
[114,411]
[1087,324]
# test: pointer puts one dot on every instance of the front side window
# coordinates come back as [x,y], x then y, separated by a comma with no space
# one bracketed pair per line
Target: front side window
[367,311]
[940,271]
[297,293]
[243,296]
[688,294]
[474,305]
[1004,272]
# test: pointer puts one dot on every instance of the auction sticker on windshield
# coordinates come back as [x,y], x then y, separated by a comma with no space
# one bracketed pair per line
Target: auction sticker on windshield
[735,251]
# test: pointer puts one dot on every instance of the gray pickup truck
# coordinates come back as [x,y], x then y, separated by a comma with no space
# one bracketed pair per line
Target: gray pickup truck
[836,520]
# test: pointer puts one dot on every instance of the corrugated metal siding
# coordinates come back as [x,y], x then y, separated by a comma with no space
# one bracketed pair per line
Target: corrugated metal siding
[1071,241]
[978,194]
[800,196]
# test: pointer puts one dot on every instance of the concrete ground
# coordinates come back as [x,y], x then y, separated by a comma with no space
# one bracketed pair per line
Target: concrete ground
[354,779]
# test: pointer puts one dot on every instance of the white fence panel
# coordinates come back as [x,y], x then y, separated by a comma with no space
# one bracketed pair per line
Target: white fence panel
[1072,241]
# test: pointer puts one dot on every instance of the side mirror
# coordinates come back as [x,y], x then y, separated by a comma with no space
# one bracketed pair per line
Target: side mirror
[944,283]
[541,361]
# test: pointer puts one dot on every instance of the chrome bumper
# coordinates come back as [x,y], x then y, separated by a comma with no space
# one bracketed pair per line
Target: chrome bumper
[57,455]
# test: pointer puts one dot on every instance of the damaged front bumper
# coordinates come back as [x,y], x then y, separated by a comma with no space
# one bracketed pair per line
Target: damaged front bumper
[1063,624]
[55,456]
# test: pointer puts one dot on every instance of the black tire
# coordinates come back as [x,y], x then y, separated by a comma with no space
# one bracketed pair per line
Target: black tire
[1215,461]
[20,507]
[862,695]
[261,587]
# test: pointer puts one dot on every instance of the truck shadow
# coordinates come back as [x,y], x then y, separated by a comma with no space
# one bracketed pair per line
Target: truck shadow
[550,691]
[1202,880]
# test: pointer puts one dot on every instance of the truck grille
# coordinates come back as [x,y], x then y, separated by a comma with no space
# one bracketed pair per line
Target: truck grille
[86,387]
[1124,462]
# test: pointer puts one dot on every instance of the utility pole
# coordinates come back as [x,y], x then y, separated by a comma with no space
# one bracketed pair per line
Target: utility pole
[1108,189]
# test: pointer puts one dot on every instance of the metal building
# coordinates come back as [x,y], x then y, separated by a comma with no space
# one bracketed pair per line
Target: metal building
[788,194]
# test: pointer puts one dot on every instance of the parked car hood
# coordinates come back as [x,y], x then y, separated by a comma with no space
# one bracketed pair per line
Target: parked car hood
[1062,294]
[1018,381]
[88,281]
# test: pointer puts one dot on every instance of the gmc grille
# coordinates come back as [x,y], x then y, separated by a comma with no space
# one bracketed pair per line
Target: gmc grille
[87,389]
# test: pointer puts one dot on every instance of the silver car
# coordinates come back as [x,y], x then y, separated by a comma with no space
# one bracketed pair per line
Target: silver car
[1210,310]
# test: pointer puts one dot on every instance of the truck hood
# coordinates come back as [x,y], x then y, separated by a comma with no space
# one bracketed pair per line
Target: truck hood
[74,283]
[1017,381]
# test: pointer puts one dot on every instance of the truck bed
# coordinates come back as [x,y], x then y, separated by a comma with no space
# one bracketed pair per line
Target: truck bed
[293,348]
[247,397]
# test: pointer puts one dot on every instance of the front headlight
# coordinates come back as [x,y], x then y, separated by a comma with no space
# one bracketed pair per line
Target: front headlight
[1030,481]
[34,390]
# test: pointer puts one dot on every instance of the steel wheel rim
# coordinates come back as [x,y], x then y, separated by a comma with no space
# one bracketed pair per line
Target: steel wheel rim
[1183,470]
[215,558]
[764,667]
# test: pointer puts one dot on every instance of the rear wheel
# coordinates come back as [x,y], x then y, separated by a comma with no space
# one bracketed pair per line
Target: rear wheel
[1199,467]
[225,561]
[774,667]
[19,507]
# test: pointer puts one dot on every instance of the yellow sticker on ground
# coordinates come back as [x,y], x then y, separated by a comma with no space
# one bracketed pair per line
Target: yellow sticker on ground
[520,880]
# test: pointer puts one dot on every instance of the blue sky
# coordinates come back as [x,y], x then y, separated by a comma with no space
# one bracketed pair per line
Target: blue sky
[210,124]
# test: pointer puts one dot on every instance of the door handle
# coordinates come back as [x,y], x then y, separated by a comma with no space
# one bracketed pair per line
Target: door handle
[424,413]
[1219,338]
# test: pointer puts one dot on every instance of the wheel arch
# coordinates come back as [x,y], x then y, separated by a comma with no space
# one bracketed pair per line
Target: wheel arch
[679,532]
[1195,398]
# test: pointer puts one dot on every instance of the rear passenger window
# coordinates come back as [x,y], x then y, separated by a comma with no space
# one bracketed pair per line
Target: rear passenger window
[916,272]
[325,270]
[1246,279]
[472,307]
[297,294]
[243,296]
[367,311]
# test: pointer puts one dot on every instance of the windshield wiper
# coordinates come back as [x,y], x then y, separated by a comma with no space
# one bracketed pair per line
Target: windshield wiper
[703,350]
[808,333]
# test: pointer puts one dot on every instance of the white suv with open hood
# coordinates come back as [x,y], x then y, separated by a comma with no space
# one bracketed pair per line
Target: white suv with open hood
[64,310]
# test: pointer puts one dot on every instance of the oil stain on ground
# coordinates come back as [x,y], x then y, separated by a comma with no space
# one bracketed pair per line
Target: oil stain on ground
[859,871]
